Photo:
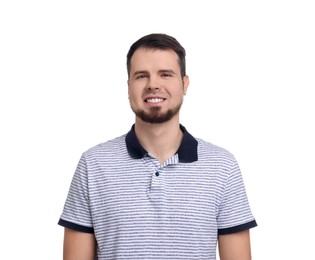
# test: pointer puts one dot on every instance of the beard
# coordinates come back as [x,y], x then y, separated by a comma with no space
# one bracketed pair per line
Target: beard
[154,116]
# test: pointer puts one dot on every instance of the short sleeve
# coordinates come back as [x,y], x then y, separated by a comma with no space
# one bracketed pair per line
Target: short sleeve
[76,212]
[234,213]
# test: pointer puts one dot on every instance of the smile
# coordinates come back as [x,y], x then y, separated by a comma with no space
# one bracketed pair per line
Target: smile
[154,100]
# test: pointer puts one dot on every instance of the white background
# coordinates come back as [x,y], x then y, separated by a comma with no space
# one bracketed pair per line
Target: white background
[63,89]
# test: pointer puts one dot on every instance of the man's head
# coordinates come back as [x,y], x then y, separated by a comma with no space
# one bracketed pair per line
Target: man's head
[159,41]
[157,80]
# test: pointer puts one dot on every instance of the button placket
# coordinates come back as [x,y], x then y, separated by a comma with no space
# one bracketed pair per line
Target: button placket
[156,180]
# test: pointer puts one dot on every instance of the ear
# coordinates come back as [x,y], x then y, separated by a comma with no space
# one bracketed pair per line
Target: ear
[185,83]
[128,87]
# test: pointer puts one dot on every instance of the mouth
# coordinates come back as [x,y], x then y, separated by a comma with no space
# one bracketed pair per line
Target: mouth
[154,100]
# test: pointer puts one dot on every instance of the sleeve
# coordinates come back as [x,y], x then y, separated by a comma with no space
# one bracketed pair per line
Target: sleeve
[234,213]
[76,213]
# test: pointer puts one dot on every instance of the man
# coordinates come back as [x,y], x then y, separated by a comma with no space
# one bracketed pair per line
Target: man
[157,192]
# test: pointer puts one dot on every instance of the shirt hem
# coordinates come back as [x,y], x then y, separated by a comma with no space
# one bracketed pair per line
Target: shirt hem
[76,227]
[239,228]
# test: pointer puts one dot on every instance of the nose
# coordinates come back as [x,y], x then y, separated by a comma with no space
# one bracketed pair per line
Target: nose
[153,84]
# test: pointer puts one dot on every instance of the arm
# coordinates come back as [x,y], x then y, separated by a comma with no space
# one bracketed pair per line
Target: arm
[235,246]
[78,245]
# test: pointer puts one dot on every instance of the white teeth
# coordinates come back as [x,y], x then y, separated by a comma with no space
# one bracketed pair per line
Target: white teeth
[154,100]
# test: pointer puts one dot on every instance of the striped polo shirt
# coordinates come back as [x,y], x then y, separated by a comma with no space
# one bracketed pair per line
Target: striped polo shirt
[140,209]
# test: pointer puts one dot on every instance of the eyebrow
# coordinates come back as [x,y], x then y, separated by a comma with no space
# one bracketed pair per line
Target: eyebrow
[146,72]
[139,72]
[167,71]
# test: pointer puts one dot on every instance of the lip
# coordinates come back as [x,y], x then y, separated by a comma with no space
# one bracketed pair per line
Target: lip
[154,100]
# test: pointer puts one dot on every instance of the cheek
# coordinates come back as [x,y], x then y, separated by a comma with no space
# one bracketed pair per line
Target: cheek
[134,92]
[132,98]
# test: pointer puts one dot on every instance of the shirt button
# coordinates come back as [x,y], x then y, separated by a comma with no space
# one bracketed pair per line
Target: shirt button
[157,174]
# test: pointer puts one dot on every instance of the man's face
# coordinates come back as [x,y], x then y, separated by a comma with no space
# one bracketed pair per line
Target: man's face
[155,87]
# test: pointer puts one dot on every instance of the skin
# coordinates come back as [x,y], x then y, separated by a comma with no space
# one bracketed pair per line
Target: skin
[155,75]
[78,245]
[235,246]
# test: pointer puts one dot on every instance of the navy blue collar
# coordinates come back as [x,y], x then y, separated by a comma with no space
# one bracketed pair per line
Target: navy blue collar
[187,151]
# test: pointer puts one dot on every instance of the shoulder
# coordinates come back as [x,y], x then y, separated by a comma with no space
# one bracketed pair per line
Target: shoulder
[215,156]
[206,148]
[112,146]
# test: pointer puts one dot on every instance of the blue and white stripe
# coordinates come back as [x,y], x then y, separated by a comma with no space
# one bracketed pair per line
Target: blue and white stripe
[136,213]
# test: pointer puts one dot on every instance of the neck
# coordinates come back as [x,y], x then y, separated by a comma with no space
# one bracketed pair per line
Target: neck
[160,140]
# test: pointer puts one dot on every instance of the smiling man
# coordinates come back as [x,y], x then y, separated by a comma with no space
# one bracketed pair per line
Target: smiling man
[156,86]
[157,192]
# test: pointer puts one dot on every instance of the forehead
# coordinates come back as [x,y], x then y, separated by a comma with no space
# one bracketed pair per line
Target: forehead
[144,58]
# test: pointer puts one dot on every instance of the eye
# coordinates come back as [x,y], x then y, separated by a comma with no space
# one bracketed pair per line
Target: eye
[141,76]
[166,75]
